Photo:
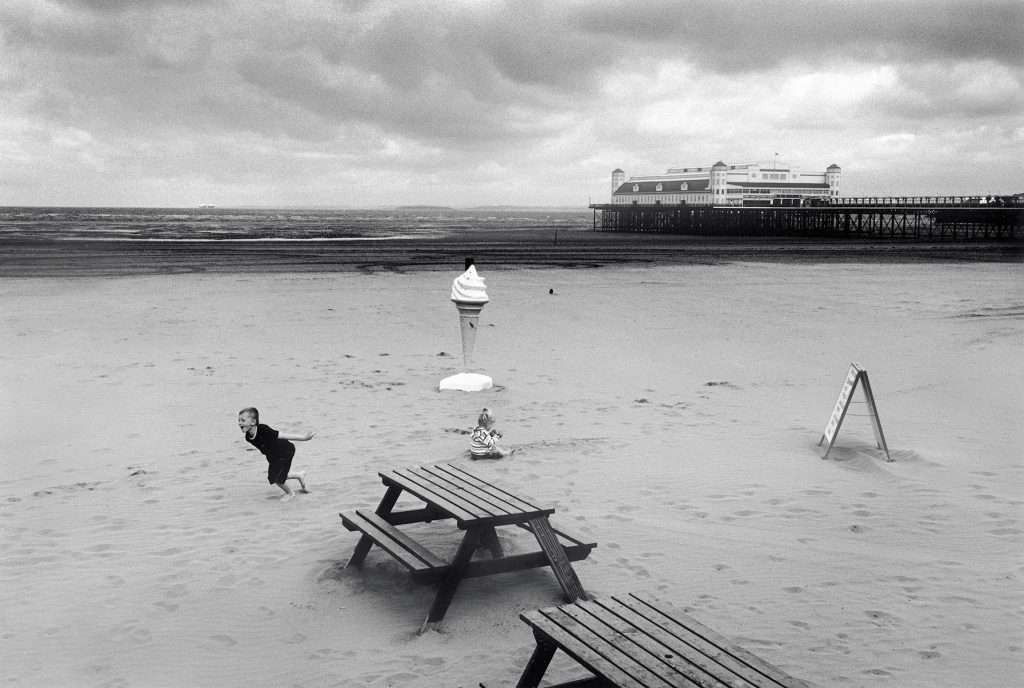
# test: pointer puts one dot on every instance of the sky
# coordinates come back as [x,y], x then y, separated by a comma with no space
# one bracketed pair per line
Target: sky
[362,103]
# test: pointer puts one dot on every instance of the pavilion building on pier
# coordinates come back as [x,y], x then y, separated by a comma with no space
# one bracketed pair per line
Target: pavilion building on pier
[748,184]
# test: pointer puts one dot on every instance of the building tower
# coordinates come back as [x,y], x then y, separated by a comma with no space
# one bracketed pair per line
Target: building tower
[717,183]
[618,179]
[832,173]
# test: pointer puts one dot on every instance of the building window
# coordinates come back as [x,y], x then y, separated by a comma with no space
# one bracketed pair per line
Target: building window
[683,187]
[636,187]
[658,187]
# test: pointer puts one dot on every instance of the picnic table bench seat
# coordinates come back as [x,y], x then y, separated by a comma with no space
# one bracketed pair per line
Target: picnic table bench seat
[637,641]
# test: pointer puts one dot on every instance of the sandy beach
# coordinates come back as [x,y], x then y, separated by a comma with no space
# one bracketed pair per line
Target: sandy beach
[671,413]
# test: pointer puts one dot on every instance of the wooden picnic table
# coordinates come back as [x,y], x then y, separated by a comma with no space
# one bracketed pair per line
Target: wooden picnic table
[637,641]
[478,507]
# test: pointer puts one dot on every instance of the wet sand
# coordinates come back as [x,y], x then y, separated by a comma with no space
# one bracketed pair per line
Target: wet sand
[495,249]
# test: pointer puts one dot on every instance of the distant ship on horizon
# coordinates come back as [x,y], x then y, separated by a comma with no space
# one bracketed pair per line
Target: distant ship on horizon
[207,205]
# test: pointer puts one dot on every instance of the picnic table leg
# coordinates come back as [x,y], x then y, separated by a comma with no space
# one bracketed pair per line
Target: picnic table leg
[538,664]
[387,503]
[451,580]
[555,554]
[489,539]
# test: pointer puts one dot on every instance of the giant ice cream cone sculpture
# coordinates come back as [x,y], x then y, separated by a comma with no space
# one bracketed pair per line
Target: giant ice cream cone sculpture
[469,294]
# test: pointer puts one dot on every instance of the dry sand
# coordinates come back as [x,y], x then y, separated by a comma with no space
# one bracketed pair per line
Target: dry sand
[670,413]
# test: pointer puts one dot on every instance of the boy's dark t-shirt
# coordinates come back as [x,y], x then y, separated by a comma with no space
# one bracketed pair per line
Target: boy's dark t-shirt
[279,452]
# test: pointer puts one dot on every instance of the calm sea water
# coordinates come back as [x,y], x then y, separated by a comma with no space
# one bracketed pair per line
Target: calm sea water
[247,224]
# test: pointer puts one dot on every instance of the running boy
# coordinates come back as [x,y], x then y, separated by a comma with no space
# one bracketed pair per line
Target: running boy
[276,447]
[481,443]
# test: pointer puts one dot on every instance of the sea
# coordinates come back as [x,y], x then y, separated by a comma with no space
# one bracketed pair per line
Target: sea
[39,224]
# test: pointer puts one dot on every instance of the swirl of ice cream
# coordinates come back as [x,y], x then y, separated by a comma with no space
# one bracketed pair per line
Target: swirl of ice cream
[469,287]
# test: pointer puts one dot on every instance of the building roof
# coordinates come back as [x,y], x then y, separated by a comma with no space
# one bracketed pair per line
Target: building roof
[618,170]
[833,166]
[670,186]
[719,164]
[779,185]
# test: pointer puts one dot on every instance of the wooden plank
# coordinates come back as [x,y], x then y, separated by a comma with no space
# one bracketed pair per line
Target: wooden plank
[404,540]
[579,639]
[515,502]
[443,486]
[450,582]
[680,624]
[459,512]
[527,502]
[383,540]
[446,493]
[572,540]
[876,422]
[590,659]
[426,515]
[477,493]
[520,562]
[560,564]
[537,664]
[592,682]
[387,502]
[651,639]
[654,662]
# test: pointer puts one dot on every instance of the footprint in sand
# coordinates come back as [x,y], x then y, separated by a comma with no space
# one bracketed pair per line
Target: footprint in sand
[880,618]
[130,632]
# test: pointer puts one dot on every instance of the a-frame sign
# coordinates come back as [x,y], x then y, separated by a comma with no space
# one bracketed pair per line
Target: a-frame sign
[855,375]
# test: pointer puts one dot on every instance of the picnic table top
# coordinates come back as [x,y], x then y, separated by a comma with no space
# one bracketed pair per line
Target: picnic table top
[470,500]
[637,641]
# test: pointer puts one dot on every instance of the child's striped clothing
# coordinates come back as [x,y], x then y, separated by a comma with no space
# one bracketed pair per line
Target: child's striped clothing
[481,443]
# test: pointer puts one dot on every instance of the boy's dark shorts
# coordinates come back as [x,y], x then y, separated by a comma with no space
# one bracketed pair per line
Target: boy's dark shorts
[278,468]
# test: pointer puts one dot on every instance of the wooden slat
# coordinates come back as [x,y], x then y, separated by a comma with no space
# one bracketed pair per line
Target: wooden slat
[585,637]
[579,650]
[560,564]
[459,512]
[442,485]
[651,662]
[515,502]
[755,669]
[458,483]
[355,521]
[526,503]
[404,540]
[426,515]
[571,539]
[520,562]
[639,637]
[699,650]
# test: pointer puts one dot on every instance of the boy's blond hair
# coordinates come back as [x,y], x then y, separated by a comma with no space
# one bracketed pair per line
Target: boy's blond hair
[251,411]
[485,418]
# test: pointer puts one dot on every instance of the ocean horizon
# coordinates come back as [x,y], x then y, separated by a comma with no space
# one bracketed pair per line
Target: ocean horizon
[56,223]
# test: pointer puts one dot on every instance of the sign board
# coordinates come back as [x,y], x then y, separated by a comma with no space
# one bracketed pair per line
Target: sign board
[854,376]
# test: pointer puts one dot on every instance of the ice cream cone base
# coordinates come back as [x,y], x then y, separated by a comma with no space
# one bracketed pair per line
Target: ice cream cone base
[466,382]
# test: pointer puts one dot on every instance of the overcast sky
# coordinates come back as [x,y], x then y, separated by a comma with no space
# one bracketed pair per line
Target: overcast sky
[165,102]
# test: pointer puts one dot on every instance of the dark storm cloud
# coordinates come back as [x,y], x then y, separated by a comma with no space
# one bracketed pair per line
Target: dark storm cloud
[749,36]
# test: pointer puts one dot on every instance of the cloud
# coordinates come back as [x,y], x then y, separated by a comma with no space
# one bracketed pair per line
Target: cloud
[499,102]
[747,37]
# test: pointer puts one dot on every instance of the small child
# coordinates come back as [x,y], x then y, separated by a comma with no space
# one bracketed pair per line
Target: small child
[482,444]
[276,447]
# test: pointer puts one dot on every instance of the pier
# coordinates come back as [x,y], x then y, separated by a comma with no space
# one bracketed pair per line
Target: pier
[955,218]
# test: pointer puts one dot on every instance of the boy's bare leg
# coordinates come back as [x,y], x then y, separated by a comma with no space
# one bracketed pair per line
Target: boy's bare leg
[288,494]
[301,477]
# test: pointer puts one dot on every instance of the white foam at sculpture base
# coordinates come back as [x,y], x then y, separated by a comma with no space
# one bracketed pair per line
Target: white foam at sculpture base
[467,382]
